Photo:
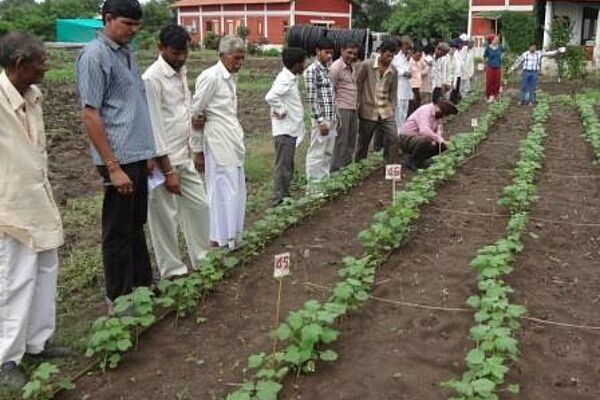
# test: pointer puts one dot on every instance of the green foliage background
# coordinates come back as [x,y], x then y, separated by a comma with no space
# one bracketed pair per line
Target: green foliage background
[429,19]
[518,30]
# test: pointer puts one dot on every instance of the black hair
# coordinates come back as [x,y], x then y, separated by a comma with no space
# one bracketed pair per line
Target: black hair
[292,56]
[324,44]
[351,44]
[122,8]
[532,44]
[16,46]
[390,45]
[175,37]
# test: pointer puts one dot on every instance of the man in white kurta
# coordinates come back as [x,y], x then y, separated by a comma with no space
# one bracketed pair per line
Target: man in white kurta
[468,66]
[224,151]
[181,201]
[405,94]
[30,224]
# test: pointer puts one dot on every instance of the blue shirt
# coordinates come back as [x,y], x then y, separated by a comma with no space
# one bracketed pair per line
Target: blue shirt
[493,57]
[109,81]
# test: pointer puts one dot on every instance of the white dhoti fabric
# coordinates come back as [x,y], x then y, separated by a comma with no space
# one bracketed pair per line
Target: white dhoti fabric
[465,86]
[27,298]
[169,212]
[226,189]
[320,154]
[401,112]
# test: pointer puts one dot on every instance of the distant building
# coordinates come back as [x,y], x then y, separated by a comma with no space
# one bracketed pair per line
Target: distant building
[264,18]
[582,14]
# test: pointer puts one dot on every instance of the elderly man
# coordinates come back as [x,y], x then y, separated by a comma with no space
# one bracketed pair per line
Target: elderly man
[343,74]
[402,64]
[216,99]
[377,83]
[456,69]
[468,66]
[117,120]
[440,78]
[30,225]
[421,137]
[181,201]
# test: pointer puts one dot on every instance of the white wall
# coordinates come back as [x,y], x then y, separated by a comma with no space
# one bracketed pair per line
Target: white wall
[575,13]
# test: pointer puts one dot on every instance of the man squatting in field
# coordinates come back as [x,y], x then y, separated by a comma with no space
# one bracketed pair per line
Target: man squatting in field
[181,201]
[287,120]
[30,226]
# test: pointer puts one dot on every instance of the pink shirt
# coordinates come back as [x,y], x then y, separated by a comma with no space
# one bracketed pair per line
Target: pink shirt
[344,85]
[424,123]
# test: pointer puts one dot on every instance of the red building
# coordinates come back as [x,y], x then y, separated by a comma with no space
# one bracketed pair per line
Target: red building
[264,18]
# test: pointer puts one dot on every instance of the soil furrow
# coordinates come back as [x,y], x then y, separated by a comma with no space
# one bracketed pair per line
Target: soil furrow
[556,277]
[396,352]
[201,360]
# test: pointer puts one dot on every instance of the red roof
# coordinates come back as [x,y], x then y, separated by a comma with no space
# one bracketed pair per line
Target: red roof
[193,3]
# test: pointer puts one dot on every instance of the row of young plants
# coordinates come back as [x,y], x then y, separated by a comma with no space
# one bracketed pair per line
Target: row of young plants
[496,318]
[112,336]
[586,103]
[306,333]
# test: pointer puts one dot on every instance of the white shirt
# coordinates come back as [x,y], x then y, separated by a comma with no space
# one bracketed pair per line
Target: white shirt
[468,67]
[455,66]
[216,99]
[28,212]
[284,98]
[402,64]
[169,100]
[440,75]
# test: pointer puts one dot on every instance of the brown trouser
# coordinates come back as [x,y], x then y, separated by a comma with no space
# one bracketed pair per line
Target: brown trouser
[419,148]
[283,172]
[387,128]
[345,141]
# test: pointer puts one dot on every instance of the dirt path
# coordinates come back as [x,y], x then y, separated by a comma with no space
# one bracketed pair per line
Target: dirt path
[391,352]
[556,277]
[201,360]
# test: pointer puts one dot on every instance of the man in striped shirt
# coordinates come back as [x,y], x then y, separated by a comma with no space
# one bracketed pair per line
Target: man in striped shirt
[117,120]
[532,63]
[321,99]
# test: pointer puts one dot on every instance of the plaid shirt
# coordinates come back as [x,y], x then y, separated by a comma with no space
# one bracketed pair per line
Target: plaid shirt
[319,92]
[532,61]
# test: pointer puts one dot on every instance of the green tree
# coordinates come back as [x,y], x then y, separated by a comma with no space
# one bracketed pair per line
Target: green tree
[157,14]
[371,14]
[429,19]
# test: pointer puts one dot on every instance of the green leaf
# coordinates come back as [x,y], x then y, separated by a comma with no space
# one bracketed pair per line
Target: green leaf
[256,360]
[475,357]
[328,355]
[483,386]
[267,390]
[514,388]
[284,332]
[310,333]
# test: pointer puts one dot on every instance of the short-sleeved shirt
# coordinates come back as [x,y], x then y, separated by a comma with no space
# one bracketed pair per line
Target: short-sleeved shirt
[109,81]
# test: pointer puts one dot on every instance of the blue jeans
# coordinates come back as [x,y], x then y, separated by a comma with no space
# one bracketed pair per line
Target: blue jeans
[528,86]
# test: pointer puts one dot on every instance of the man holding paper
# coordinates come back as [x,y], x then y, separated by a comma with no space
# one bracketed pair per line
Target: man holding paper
[181,201]
[421,136]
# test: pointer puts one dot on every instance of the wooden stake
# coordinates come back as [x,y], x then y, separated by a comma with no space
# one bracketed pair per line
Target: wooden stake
[277,312]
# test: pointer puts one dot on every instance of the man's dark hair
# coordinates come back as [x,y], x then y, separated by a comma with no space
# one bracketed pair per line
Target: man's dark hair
[533,44]
[351,44]
[389,45]
[122,8]
[16,46]
[324,44]
[292,56]
[175,37]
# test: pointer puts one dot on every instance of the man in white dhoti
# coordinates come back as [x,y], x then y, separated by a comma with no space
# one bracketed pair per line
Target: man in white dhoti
[405,94]
[468,66]
[181,201]
[224,151]
[30,225]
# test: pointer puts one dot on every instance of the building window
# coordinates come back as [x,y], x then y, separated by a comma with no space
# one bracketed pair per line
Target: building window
[259,29]
[324,24]
[210,27]
[589,24]
[230,30]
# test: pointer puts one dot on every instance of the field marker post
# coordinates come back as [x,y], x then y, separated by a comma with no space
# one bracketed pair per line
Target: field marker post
[393,172]
[281,270]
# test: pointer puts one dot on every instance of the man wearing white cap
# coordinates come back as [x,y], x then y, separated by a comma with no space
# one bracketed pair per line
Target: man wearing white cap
[468,66]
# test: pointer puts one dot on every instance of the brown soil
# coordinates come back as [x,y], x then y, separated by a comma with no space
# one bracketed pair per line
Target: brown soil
[556,277]
[397,352]
[203,359]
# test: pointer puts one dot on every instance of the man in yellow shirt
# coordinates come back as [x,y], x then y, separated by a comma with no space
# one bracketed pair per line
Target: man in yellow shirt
[30,225]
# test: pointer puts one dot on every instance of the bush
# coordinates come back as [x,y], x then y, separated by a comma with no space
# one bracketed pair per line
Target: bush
[574,59]
[560,35]
[271,53]
[145,40]
[253,49]
[211,41]
[518,30]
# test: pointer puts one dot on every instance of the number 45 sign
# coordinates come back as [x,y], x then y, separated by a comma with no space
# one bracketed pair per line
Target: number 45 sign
[282,265]
[393,172]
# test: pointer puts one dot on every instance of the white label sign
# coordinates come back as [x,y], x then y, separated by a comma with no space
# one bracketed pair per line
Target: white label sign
[474,123]
[282,265]
[480,67]
[393,172]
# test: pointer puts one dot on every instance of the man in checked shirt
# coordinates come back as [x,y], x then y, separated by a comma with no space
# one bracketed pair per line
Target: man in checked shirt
[321,100]
[532,63]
